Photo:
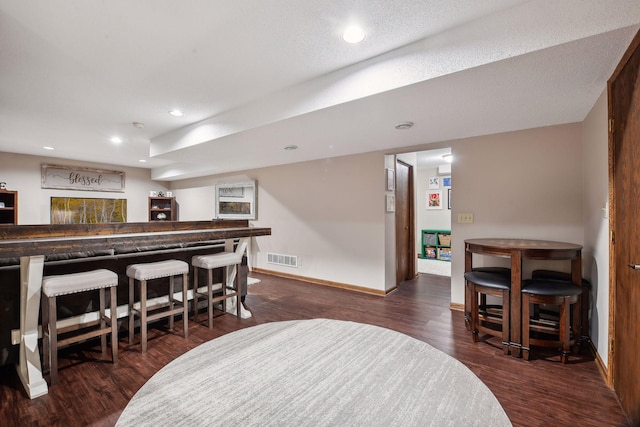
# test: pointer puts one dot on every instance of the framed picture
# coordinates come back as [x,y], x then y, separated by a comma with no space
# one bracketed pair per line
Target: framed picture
[75,178]
[391,179]
[79,210]
[446,181]
[434,182]
[391,203]
[449,199]
[434,199]
[236,201]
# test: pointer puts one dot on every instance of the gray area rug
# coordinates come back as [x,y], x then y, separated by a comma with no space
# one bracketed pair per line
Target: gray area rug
[316,372]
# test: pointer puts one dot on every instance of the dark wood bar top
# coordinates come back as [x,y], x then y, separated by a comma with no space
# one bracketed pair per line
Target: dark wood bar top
[27,240]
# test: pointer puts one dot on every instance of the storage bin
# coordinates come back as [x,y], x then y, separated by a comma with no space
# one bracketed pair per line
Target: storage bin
[430,239]
[430,252]
[444,254]
[444,239]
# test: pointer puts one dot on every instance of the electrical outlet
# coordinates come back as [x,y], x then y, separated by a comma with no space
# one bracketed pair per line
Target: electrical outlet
[465,218]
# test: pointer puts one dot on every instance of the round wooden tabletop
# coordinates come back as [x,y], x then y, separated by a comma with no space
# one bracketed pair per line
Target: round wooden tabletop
[523,244]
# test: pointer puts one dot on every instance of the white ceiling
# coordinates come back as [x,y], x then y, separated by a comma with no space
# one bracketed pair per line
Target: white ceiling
[253,76]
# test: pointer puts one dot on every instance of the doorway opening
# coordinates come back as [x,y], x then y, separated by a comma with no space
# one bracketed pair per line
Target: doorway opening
[433,188]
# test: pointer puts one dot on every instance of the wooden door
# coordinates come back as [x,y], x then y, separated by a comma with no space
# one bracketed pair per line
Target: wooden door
[405,246]
[624,110]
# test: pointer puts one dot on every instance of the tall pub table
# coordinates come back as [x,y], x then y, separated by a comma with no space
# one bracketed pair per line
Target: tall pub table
[518,250]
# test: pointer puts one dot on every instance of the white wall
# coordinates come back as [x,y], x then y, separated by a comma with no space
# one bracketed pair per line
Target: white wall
[596,223]
[330,213]
[23,174]
[439,219]
[431,219]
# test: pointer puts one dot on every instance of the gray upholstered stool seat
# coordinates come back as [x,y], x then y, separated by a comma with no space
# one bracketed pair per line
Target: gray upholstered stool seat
[210,262]
[551,292]
[156,270]
[485,318]
[65,284]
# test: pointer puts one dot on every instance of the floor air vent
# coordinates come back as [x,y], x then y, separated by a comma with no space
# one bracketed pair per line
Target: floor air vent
[288,260]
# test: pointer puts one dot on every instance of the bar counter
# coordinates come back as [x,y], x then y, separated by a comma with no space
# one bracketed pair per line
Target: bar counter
[59,248]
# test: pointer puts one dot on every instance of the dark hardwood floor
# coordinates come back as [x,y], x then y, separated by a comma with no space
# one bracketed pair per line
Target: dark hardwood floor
[540,392]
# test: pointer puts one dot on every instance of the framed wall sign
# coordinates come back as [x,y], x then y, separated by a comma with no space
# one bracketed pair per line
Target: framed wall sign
[236,201]
[77,178]
[390,179]
[391,203]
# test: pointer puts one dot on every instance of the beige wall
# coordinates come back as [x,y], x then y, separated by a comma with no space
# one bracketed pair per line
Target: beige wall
[596,222]
[524,184]
[329,213]
[23,174]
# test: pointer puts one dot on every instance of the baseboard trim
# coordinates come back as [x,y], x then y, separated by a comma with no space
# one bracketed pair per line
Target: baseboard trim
[604,371]
[324,282]
[456,306]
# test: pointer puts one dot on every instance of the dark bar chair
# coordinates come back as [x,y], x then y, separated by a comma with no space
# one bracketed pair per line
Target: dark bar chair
[585,304]
[549,333]
[489,319]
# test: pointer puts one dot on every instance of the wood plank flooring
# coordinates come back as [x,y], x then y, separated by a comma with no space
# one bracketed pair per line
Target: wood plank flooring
[93,392]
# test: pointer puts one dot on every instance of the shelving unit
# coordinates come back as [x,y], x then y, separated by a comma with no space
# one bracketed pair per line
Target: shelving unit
[436,244]
[163,209]
[8,207]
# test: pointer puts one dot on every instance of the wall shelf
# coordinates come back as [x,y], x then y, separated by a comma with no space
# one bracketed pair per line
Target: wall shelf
[163,209]
[8,207]
[436,245]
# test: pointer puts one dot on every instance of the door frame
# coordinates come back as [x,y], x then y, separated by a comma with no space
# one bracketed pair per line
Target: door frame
[634,47]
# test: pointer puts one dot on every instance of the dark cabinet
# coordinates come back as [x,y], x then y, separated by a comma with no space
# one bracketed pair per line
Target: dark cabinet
[8,207]
[163,209]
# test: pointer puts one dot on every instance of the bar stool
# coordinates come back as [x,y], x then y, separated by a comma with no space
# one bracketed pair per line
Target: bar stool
[504,271]
[484,315]
[585,304]
[210,262]
[65,284]
[157,270]
[551,334]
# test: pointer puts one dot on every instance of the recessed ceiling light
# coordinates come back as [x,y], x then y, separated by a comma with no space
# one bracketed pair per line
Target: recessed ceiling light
[48,148]
[291,147]
[404,125]
[176,113]
[116,140]
[138,125]
[353,34]
[142,161]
